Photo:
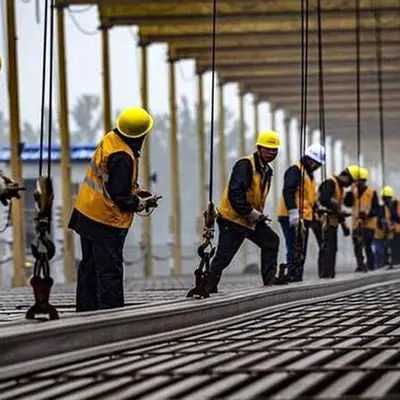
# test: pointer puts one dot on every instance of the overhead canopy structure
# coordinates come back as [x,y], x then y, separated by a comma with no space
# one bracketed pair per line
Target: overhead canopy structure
[258,46]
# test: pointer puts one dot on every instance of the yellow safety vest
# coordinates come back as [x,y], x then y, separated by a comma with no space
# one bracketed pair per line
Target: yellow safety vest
[363,203]
[93,200]
[379,233]
[309,197]
[333,220]
[255,196]
[397,225]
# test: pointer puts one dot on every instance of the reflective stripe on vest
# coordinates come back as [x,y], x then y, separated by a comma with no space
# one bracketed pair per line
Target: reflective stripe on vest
[363,203]
[309,197]
[93,200]
[254,195]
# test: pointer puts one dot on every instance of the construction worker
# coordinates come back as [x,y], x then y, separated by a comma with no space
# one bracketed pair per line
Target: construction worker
[330,200]
[385,226]
[240,212]
[365,207]
[299,196]
[396,237]
[108,198]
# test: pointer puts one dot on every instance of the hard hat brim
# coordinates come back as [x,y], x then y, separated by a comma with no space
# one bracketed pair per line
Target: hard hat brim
[268,147]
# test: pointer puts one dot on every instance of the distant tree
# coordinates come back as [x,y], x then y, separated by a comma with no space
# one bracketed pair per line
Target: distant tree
[87,118]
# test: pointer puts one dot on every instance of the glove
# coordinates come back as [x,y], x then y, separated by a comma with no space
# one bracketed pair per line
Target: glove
[146,202]
[256,216]
[294,217]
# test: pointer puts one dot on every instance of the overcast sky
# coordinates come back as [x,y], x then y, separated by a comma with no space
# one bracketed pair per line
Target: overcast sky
[84,65]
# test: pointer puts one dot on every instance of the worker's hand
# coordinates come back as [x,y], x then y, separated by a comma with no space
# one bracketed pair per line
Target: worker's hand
[294,217]
[256,216]
[147,202]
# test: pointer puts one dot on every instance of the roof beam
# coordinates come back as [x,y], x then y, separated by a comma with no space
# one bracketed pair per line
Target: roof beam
[226,74]
[280,40]
[256,26]
[334,51]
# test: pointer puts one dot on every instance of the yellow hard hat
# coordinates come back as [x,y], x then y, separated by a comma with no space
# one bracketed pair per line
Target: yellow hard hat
[134,122]
[387,191]
[354,171]
[269,139]
[364,174]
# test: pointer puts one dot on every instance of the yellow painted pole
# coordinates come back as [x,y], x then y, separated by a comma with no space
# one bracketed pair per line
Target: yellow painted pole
[202,152]
[256,119]
[221,130]
[176,208]
[242,153]
[18,224]
[146,172]
[106,80]
[69,251]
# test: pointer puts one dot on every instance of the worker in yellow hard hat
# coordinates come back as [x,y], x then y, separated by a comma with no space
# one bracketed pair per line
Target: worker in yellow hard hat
[387,218]
[108,198]
[365,207]
[241,212]
[330,200]
[396,238]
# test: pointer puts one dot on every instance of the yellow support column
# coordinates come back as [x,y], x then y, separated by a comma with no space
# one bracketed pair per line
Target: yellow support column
[18,224]
[106,80]
[176,207]
[202,153]
[146,172]
[69,250]
[221,134]
[256,119]
[242,152]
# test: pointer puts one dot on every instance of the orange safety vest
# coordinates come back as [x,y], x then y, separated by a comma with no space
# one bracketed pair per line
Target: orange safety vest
[379,233]
[363,204]
[333,220]
[397,225]
[255,196]
[93,200]
[309,197]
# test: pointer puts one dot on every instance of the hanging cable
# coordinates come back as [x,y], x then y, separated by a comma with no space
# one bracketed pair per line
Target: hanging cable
[378,39]
[305,5]
[43,249]
[202,272]
[50,118]
[358,88]
[43,97]
[321,97]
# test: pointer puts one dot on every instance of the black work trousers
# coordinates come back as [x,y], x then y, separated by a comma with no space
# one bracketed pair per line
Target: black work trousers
[327,253]
[368,237]
[231,236]
[396,249]
[101,273]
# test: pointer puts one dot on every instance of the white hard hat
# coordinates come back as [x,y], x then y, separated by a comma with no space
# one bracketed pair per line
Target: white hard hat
[316,152]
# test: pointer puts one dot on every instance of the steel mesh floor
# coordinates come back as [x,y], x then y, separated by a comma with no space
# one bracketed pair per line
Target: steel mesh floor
[347,347]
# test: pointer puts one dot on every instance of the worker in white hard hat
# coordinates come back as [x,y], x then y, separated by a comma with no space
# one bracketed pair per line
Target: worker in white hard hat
[108,198]
[299,196]
[241,212]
